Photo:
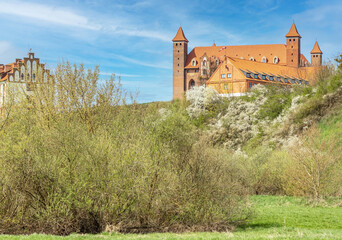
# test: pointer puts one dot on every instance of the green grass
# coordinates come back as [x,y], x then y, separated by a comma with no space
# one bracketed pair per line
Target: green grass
[275,217]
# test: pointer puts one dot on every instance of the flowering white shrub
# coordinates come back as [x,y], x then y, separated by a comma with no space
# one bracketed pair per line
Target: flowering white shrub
[200,98]
[239,124]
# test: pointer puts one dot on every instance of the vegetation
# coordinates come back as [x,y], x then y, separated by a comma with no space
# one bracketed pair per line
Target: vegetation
[82,157]
[76,158]
[275,217]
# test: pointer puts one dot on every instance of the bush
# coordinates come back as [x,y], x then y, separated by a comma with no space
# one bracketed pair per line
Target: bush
[80,159]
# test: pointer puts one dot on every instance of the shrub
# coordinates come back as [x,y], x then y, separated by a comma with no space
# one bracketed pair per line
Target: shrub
[82,159]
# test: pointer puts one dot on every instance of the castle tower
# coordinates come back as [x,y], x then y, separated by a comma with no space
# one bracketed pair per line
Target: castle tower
[180,52]
[316,56]
[293,47]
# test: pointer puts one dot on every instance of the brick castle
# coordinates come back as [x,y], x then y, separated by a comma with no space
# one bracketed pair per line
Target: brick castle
[232,70]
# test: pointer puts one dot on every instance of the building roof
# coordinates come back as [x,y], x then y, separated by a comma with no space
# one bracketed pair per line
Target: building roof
[303,73]
[243,51]
[293,31]
[316,49]
[180,36]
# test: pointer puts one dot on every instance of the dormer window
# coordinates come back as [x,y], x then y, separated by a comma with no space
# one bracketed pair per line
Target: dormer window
[223,75]
[275,60]
[263,77]
[252,59]
[264,59]
[217,62]
[271,78]
[248,75]
[256,76]
[193,62]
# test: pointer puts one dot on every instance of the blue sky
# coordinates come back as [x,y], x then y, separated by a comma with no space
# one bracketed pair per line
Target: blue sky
[133,38]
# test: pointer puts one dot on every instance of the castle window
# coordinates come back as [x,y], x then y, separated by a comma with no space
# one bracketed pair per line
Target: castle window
[275,60]
[226,86]
[191,83]
[223,75]
[229,75]
[294,40]
[290,40]
[16,76]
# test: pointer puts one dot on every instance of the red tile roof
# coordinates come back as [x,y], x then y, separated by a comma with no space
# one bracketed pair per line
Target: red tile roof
[243,51]
[293,31]
[316,49]
[180,36]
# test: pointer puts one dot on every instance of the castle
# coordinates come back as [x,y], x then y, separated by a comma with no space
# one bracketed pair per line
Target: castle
[21,75]
[232,70]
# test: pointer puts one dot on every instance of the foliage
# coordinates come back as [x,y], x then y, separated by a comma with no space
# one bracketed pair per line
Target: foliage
[276,217]
[76,157]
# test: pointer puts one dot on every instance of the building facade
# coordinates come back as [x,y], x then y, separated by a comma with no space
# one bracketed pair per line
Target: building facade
[235,69]
[22,76]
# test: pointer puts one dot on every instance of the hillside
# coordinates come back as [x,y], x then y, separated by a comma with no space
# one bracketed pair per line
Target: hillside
[89,158]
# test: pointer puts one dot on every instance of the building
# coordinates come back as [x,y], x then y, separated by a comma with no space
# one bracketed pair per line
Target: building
[234,69]
[23,75]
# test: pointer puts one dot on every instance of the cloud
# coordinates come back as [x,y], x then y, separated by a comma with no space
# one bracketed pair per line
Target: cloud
[47,14]
[141,62]
[8,52]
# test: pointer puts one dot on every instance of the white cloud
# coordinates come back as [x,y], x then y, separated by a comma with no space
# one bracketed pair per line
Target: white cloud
[142,63]
[8,52]
[46,13]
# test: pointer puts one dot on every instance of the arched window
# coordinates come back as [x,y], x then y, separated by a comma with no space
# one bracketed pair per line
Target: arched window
[34,77]
[252,59]
[22,77]
[264,59]
[28,77]
[193,62]
[34,66]
[28,66]
[191,83]
[16,76]
[275,60]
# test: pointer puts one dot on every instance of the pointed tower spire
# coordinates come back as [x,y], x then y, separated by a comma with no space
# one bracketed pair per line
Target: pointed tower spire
[180,37]
[316,49]
[293,31]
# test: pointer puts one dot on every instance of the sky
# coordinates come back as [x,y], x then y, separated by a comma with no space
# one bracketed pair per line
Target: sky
[132,39]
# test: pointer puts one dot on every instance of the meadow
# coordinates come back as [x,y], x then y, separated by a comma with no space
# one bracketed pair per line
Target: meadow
[275,217]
